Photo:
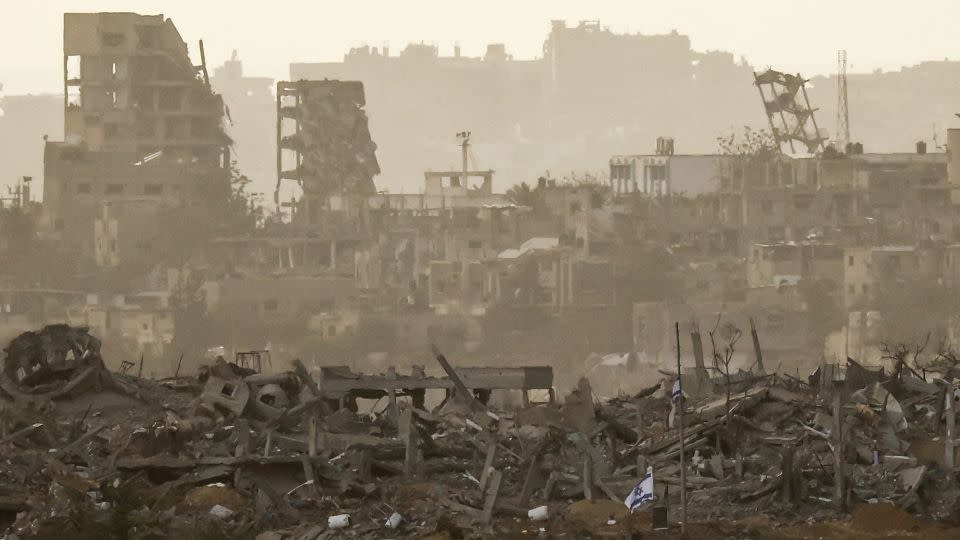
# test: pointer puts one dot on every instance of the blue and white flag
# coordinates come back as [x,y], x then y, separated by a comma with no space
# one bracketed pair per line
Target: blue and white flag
[642,493]
[675,394]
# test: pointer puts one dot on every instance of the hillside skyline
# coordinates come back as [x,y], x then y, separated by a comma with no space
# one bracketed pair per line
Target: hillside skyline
[315,36]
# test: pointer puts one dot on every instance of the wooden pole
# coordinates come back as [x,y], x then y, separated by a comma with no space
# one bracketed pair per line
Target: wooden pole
[312,434]
[310,475]
[488,461]
[950,413]
[203,65]
[641,457]
[408,433]
[140,371]
[787,486]
[177,373]
[683,473]
[587,476]
[242,429]
[837,448]
[756,346]
[490,501]
[533,477]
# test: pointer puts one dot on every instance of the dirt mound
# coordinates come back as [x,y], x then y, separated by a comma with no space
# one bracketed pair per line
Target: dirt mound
[596,512]
[593,516]
[882,517]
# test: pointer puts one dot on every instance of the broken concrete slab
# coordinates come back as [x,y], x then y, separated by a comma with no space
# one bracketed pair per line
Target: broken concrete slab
[227,397]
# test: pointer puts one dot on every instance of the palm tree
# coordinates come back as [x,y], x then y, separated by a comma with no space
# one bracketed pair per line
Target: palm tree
[523,195]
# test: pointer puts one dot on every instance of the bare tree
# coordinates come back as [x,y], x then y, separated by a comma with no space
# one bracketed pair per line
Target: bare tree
[917,349]
[713,342]
[897,353]
[945,360]
[749,144]
[730,334]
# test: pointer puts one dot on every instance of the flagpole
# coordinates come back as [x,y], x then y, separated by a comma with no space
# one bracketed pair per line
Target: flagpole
[683,469]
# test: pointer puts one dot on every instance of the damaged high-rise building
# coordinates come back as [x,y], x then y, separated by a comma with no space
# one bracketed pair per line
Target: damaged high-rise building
[130,85]
[324,144]
[141,125]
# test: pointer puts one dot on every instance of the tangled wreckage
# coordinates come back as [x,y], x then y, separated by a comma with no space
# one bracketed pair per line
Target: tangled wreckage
[283,455]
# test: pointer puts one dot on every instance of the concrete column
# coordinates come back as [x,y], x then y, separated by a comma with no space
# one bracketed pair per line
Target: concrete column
[333,254]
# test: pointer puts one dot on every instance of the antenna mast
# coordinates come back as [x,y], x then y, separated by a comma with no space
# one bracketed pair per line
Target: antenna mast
[464,137]
[843,113]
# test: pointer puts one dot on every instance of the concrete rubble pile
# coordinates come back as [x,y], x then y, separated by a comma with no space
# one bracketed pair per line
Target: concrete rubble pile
[288,455]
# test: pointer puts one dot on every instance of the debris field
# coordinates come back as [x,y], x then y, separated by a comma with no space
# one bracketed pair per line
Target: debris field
[230,452]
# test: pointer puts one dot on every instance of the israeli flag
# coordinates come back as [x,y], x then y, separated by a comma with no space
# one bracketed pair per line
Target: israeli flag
[675,395]
[642,493]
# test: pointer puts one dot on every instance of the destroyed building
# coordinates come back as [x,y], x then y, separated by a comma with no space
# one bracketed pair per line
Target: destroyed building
[493,94]
[130,85]
[334,159]
[140,123]
[856,198]
[719,230]
[810,237]
[732,335]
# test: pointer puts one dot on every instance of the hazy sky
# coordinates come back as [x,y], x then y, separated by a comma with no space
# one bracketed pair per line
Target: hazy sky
[799,36]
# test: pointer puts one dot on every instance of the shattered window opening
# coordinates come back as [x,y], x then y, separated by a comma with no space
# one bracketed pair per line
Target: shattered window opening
[229,389]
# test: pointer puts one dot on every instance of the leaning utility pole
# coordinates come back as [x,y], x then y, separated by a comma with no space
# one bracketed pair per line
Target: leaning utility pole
[683,473]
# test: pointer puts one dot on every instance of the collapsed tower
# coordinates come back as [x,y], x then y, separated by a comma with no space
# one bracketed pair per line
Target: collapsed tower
[324,144]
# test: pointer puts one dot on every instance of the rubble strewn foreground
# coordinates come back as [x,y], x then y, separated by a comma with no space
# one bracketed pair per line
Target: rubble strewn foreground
[233,453]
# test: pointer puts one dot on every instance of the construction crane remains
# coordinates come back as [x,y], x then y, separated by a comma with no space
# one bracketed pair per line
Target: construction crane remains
[788,111]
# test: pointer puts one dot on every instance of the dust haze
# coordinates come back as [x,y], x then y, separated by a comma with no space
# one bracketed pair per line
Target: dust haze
[275,276]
